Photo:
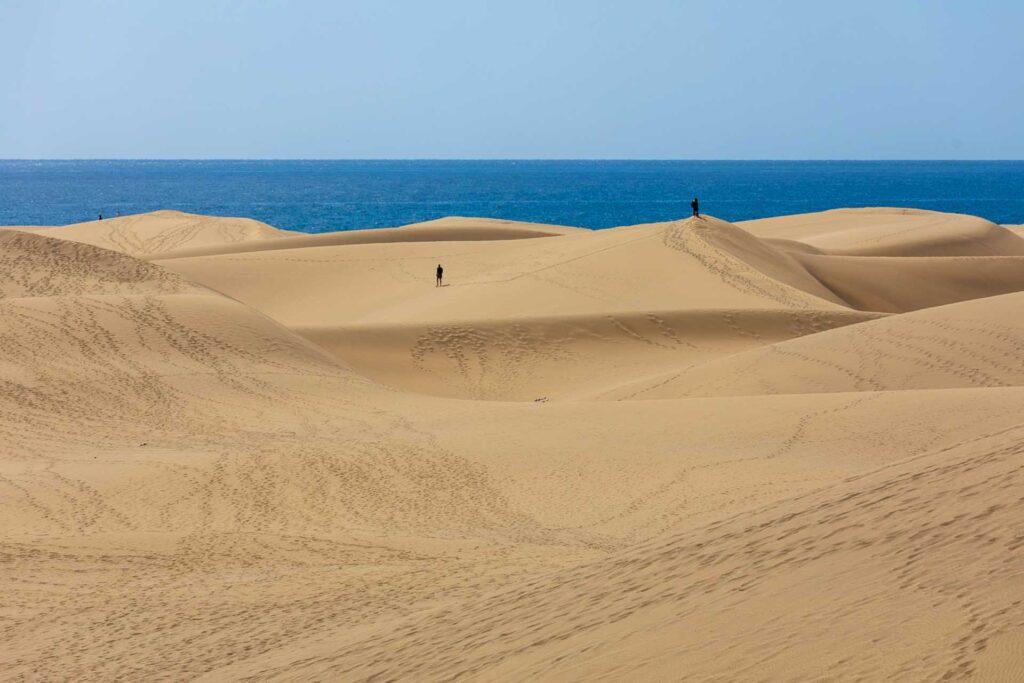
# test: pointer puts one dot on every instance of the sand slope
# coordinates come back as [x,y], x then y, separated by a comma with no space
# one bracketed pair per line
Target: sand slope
[557,357]
[645,294]
[973,343]
[923,554]
[578,273]
[162,231]
[899,284]
[452,228]
[892,232]
[238,461]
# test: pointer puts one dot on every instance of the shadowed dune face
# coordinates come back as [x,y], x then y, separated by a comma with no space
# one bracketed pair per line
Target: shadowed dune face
[900,284]
[263,455]
[555,358]
[971,344]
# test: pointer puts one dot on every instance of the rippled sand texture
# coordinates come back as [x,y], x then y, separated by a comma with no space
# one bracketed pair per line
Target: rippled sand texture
[787,449]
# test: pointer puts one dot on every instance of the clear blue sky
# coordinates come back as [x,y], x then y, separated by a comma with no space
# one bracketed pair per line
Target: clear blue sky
[705,79]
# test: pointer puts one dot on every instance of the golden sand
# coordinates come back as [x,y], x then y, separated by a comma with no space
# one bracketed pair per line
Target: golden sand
[784,449]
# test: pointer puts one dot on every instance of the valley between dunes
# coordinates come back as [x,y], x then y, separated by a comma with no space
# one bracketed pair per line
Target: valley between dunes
[790,448]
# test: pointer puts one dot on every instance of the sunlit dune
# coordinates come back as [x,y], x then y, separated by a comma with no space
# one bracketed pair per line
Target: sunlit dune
[783,449]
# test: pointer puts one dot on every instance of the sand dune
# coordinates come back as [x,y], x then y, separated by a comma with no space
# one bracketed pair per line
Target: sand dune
[557,357]
[581,273]
[450,229]
[32,265]
[253,454]
[923,553]
[892,232]
[969,344]
[161,231]
[646,294]
[174,234]
[900,284]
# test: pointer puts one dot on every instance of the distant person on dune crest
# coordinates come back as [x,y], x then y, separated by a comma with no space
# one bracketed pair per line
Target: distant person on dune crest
[101,215]
[696,208]
[440,274]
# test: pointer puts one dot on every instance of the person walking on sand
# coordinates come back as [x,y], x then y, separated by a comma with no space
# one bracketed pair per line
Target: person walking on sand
[101,215]
[696,208]
[440,274]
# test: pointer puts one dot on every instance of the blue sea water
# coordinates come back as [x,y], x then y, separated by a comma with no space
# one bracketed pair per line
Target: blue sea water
[318,196]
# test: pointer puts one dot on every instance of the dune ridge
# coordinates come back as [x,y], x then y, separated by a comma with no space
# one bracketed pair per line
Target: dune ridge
[161,231]
[892,232]
[786,448]
[451,228]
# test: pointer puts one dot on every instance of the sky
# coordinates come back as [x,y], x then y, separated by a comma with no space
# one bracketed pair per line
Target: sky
[637,79]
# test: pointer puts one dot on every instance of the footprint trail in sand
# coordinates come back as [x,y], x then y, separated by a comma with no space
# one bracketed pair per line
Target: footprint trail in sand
[783,449]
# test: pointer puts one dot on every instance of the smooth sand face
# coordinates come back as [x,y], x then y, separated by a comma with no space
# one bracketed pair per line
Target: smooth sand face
[788,449]
[163,231]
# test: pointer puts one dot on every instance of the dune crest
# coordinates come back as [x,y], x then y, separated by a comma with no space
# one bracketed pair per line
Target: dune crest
[892,232]
[452,228]
[787,448]
[147,234]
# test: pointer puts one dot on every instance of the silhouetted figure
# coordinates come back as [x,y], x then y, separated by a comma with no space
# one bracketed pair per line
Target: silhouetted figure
[101,215]
[440,274]
[696,208]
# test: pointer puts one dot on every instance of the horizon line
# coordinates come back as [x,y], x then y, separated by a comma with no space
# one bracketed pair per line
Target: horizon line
[531,159]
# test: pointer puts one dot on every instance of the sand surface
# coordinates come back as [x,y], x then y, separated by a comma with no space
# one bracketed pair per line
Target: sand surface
[784,449]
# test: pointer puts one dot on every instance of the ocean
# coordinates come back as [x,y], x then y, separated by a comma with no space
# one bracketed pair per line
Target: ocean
[319,196]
